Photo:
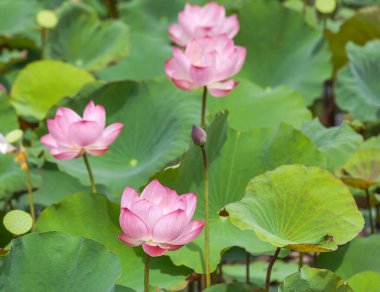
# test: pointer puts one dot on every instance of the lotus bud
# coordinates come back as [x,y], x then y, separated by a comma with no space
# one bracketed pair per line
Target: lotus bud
[199,135]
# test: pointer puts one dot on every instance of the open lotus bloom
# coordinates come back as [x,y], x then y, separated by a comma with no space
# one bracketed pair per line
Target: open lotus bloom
[71,136]
[196,22]
[159,219]
[5,147]
[206,62]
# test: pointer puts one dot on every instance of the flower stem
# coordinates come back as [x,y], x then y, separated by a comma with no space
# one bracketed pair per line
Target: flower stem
[44,35]
[300,261]
[30,193]
[204,103]
[205,192]
[247,266]
[146,273]
[93,188]
[269,271]
[369,211]
[112,11]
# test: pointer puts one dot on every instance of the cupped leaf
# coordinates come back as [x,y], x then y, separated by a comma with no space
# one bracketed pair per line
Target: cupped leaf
[295,56]
[250,107]
[337,143]
[96,218]
[361,254]
[360,28]
[362,170]
[80,38]
[358,87]
[10,57]
[158,120]
[42,84]
[314,280]
[235,157]
[303,208]
[56,261]
[367,281]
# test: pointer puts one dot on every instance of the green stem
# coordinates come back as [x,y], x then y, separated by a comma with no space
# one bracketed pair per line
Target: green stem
[204,103]
[112,11]
[44,35]
[369,211]
[146,273]
[207,230]
[247,266]
[300,261]
[269,271]
[30,194]
[87,163]
[205,192]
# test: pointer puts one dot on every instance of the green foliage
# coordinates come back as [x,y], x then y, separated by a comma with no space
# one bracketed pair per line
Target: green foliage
[246,154]
[96,218]
[303,208]
[8,118]
[295,56]
[81,39]
[361,254]
[248,106]
[56,261]
[42,84]
[365,282]
[358,88]
[143,147]
[337,143]
[314,280]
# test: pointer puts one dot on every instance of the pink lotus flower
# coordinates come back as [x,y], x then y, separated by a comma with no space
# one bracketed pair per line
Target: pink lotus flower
[159,219]
[196,22]
[206,62]
[71,136]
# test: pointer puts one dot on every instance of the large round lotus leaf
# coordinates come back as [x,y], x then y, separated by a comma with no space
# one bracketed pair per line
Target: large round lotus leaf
[360,28]
[367,281]
[314,280]
[158,119]
[358,86]
[359,255]
[42,84]
[96,218]
[337,143]
[235,157]
[303,208]
[295,56]
[18,222]
[362,170]
[250,107]
[82,39]
[56,261]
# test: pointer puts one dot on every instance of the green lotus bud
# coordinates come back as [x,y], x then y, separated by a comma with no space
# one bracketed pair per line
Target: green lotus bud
[325,6]
[14,136]
[18,222]
[47,19]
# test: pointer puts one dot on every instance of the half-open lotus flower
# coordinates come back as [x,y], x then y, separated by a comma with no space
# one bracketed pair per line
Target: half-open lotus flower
[206,62]
[71,136]
[159,219]
[5,147]
[197,22]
